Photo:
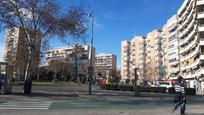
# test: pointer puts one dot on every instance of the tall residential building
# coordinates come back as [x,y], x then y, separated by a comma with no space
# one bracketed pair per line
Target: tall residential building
[66,54]
[191,42]
[154,55]
[137,57]
[173,48]
[133,56]
[125,60]
[16,51]
[164,46]
[105,66]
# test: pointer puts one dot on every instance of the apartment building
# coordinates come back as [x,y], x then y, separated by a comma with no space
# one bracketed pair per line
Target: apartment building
[66,55]
[164,51]
[137,57]
[173,48]
[125,60]
[133,55]
[191,46]
[16,52]
[154,55]
[105,66]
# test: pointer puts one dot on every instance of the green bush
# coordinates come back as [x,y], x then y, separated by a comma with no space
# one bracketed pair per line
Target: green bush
[131,88]
[189,91]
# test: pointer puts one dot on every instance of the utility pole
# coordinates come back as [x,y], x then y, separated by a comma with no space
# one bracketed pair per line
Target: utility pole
[90,69]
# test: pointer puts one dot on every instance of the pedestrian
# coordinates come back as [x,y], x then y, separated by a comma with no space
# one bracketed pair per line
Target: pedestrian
[180,97]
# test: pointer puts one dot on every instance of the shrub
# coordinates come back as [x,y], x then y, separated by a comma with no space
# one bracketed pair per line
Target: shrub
[189,91]
[171,90]
[131,88]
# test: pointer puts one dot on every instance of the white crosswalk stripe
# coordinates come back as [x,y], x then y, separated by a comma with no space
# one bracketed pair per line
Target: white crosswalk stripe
[25,105]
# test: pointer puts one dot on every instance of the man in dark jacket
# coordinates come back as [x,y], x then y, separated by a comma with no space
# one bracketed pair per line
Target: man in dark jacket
[180,97]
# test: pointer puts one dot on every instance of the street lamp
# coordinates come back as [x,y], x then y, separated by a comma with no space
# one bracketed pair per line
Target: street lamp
[90,69]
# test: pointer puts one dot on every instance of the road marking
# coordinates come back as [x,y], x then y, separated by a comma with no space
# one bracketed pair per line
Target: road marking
[25,105]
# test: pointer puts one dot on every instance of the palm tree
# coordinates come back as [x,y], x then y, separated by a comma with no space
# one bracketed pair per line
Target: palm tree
[77,49]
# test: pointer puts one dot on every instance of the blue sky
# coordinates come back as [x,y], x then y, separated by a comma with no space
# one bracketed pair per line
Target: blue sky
[118,20]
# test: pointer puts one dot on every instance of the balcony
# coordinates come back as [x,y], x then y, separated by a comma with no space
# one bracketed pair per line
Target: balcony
[189,46]
[186,30]
[201,41]
[193,53]
[201,28]
[174,70]
[202,56]
[200,15]
[200,2]
[174,63]
[185,40]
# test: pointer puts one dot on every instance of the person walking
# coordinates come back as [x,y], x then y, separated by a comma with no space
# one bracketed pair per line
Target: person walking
[180,97]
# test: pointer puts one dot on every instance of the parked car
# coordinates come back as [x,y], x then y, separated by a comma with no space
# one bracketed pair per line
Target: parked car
[166,84]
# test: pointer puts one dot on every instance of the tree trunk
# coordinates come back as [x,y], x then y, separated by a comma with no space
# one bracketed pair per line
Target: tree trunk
[28,79]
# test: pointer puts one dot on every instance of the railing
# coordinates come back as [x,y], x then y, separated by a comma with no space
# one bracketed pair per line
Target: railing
[201,12]
[201,25]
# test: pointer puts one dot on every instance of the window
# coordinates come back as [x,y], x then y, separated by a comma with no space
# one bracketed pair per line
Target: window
[172,60]
[172,38]
[171,46]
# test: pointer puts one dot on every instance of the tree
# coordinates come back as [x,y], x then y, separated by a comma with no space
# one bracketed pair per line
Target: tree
[58,66]
[76,51]
[40,20]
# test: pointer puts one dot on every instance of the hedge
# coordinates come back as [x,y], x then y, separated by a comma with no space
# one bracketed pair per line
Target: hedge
[189,91]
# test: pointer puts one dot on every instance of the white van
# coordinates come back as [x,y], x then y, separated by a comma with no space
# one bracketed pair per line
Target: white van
[166,84]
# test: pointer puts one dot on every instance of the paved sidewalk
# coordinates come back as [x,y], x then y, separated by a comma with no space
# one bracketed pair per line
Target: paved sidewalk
[75,101]
[192,110]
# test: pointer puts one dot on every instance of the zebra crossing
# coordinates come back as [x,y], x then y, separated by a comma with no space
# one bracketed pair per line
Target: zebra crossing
[14,105]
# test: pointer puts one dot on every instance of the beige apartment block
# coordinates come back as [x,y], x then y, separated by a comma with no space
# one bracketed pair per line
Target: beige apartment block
[164,46]
[191,42]
[173,48]
[137,57]
[154,55]
[133,55]
[16,52]
[66,55]
[105,66]
[125,60]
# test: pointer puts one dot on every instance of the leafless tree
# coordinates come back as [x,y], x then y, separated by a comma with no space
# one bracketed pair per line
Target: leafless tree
[40,20]
[58,66]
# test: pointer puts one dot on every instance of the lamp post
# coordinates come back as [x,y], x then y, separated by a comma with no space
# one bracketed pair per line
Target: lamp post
[137,93]
[90,69]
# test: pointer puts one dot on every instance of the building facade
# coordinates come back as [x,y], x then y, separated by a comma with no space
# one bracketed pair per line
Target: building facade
[137,57]
[125,60]
[173,48]
[154,55]
[191,46]
[164,46]
[16,51]
[66,55]
[133,55]
[106,66]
